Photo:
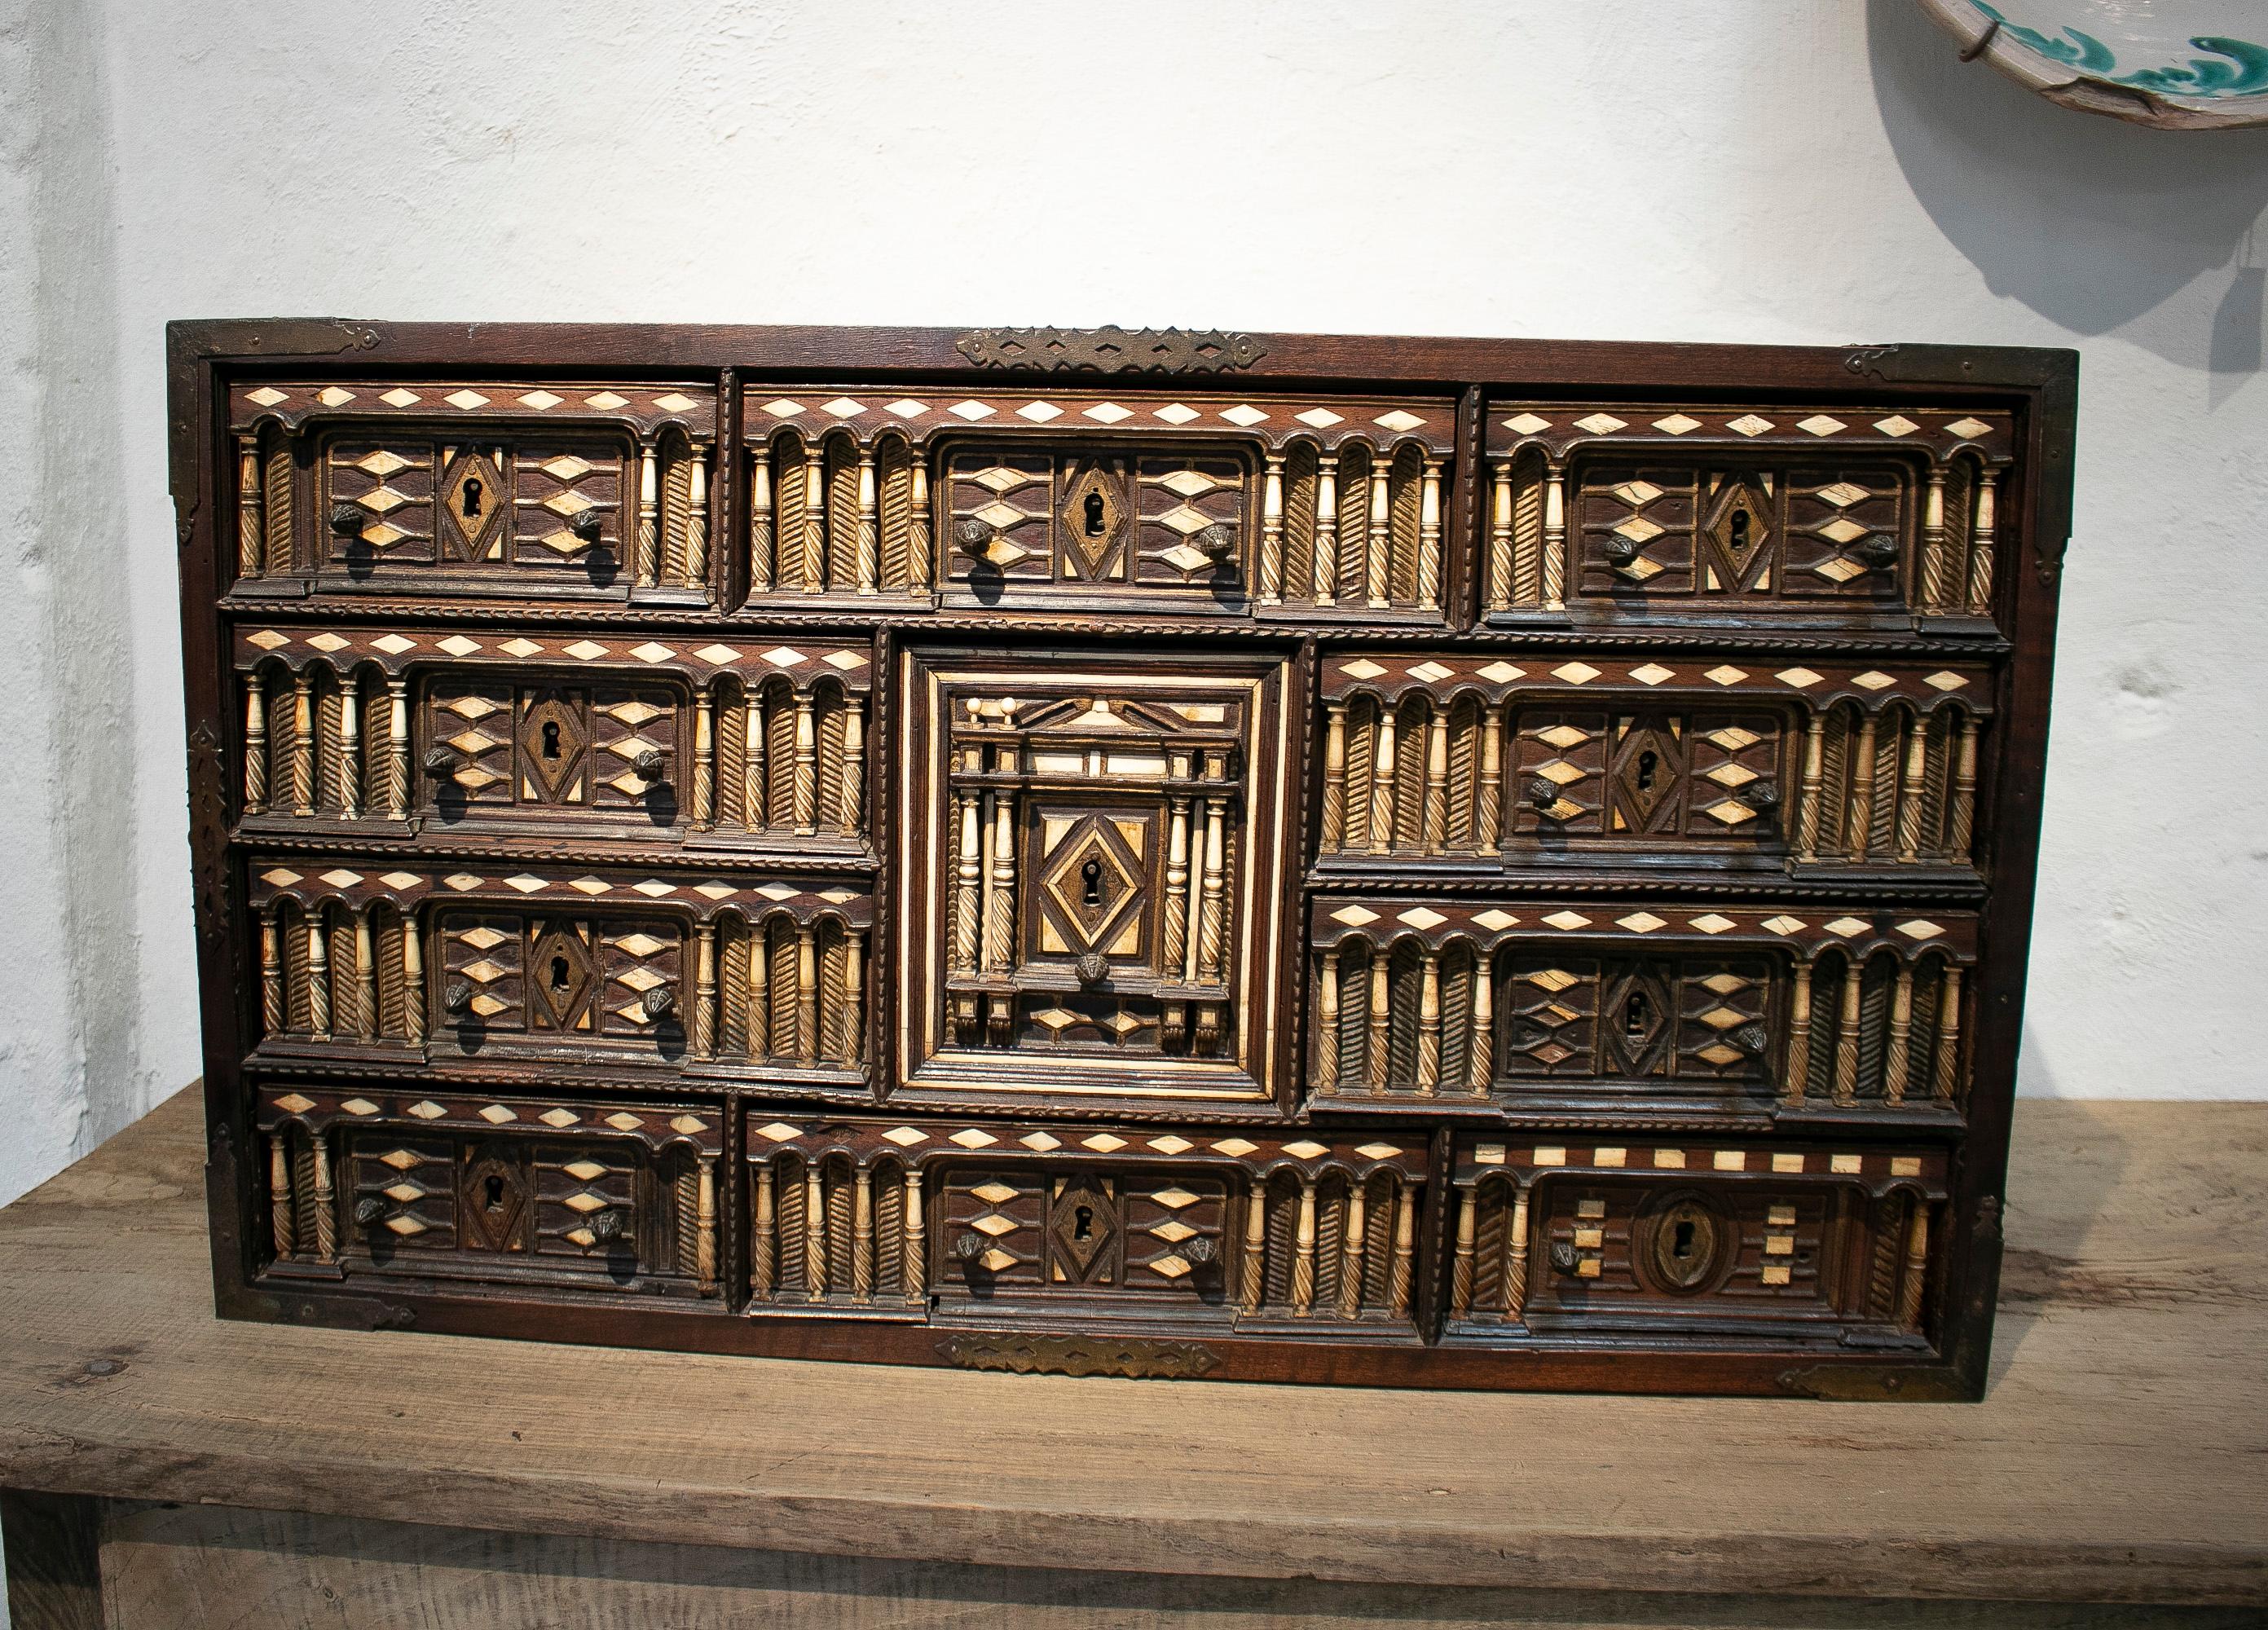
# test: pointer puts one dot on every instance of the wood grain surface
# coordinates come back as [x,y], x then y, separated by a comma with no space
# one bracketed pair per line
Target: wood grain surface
[2119,1457]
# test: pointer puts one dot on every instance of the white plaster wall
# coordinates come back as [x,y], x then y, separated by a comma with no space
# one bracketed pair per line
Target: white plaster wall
[1779,170]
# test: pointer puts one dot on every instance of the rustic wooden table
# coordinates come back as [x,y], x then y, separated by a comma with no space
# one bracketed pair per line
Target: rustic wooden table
[165,1468]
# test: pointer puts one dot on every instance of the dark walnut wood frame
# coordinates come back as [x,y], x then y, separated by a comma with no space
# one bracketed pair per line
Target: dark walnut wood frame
[650,1004]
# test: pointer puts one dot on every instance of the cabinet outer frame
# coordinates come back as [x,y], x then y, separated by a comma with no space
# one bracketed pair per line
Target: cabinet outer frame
[2039,385]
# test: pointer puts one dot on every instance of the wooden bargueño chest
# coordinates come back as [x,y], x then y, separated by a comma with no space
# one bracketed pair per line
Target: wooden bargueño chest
[1464,863]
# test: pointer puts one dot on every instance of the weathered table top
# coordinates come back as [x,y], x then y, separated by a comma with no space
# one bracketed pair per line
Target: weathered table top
[2122,1456]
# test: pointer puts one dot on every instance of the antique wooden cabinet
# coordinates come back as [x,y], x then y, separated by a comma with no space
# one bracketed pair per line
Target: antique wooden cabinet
[1469,863]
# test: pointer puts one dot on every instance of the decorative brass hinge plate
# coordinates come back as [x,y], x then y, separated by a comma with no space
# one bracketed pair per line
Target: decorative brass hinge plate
[1080,1355]
[1111,350]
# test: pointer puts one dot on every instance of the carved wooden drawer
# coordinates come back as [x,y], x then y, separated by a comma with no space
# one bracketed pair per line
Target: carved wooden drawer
[607,967]
[957,1222]
[542,733]
[1092,906]
[453,486]
[1649,1239]
[1654,513]
[1517,761]
[1544,1008]
[369,1179]
[1081,501]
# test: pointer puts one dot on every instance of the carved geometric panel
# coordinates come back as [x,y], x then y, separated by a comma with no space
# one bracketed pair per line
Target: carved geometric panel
[385,489]
[469,736]
[639,957]
[993,1225]
[492,1198]
[627,722]
[473,515]
[554,739]
[482,977]
[568,505]
[575,1186]
[1834,518]
[401,1193]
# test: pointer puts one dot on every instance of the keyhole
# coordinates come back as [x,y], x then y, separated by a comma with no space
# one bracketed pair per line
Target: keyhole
[1681,1247]
[1740,529]
[1091,876]
[558,973]
[551,741]
[1634,1015]
[494,1192]
[1646,763]
[471,493]
[1082,1223]
[1094,514]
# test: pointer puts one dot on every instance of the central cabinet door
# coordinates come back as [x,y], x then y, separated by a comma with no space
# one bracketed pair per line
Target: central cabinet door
[1091,892]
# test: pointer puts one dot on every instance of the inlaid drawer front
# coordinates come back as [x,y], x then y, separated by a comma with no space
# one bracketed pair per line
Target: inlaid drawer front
[440,487]
[955,1219]
[1780,1241]
[1542,1007]
[608,965]
[633,736]
[1090,899]
[1489,760]
[1074,500]
[621,1194]
[1165,529]
[1646,512]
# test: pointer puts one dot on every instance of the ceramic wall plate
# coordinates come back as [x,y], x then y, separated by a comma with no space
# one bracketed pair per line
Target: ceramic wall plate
[2172,63]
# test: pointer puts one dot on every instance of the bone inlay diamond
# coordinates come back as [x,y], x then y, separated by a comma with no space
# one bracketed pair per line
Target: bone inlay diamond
[1527,425]
[1600,424]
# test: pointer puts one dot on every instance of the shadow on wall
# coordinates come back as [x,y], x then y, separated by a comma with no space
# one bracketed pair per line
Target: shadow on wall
[2093,223]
